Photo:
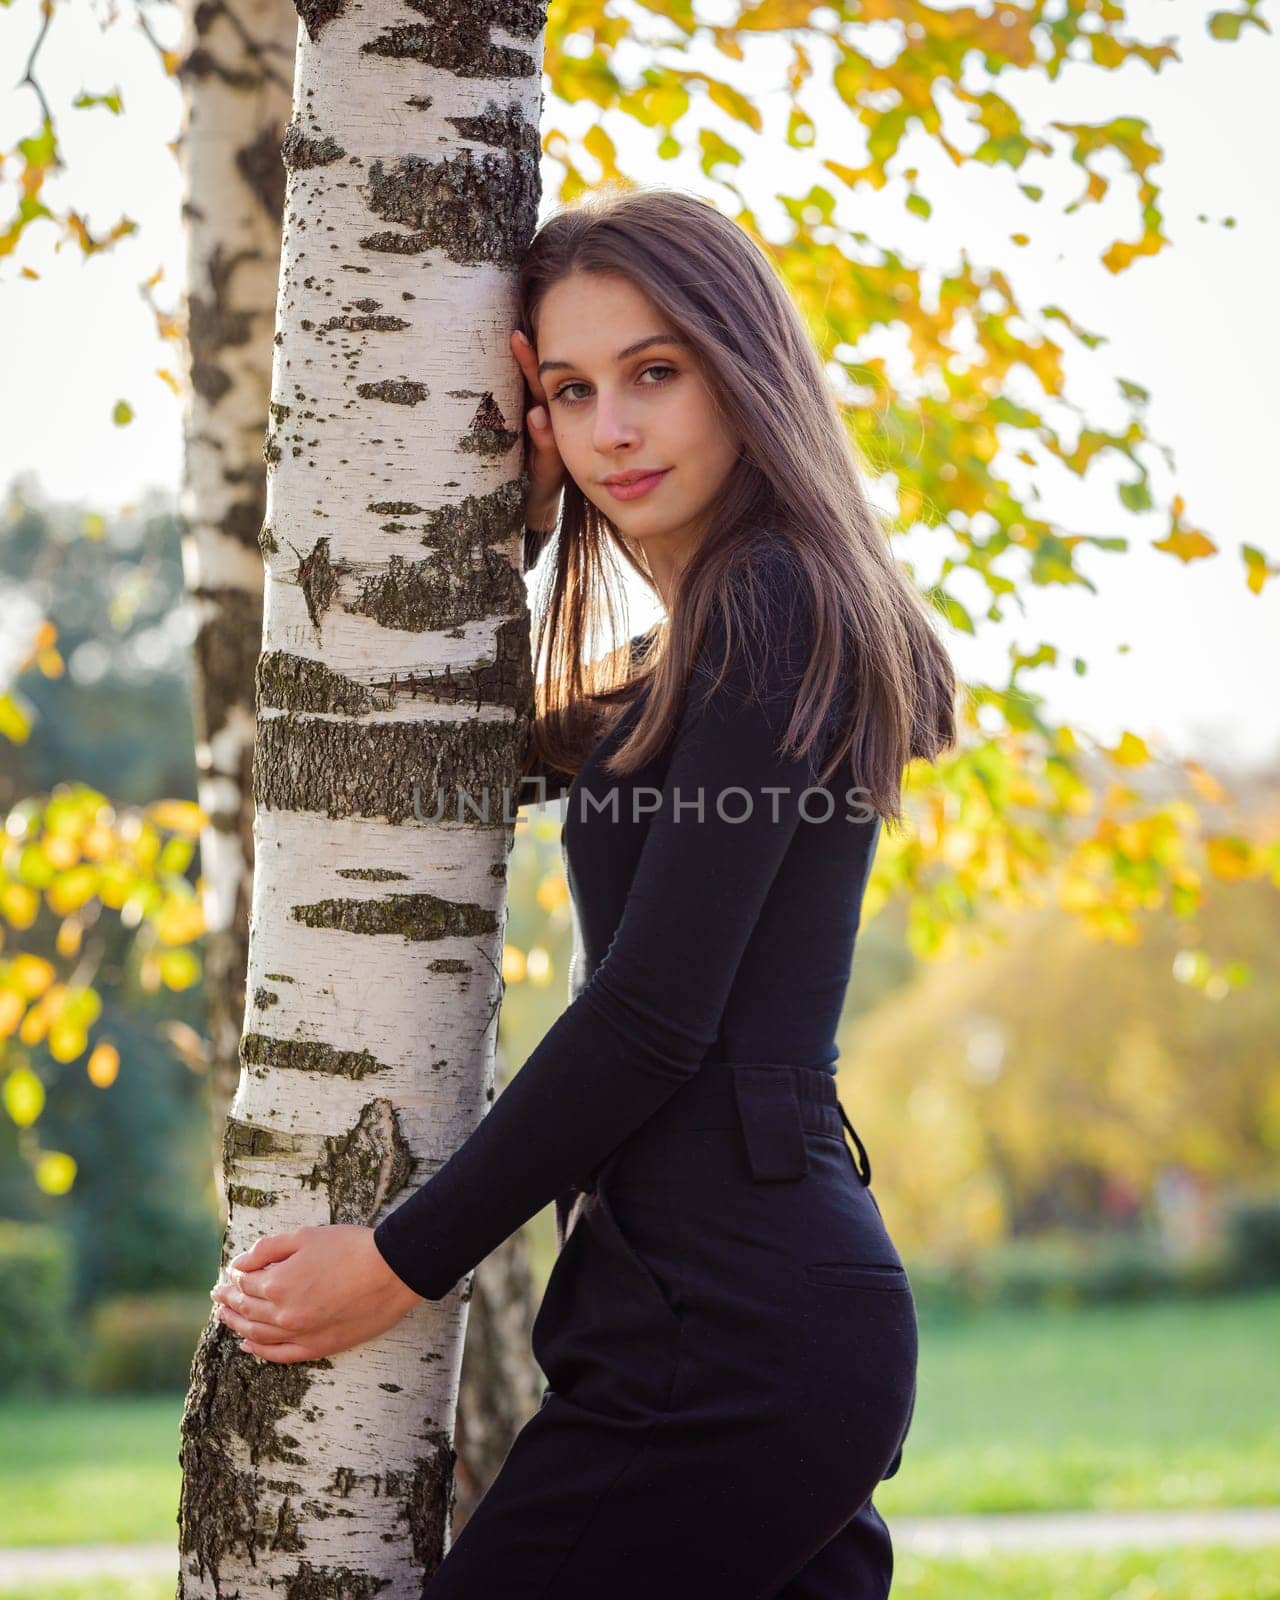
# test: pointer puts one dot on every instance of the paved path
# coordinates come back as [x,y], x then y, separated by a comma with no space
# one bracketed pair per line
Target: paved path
[935,1536]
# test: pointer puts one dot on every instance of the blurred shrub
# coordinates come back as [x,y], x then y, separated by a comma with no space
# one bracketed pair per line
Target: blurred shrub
[1252,1233]
[144,1343]
[37,1350]
[1066,1269]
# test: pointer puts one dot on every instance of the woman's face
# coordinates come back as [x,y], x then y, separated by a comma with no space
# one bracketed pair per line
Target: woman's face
[616,409]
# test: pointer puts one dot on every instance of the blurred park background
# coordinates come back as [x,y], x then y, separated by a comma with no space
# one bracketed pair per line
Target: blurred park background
[1062,1039]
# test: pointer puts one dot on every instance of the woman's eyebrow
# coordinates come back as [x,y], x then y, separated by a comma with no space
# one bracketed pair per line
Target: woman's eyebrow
[631,350]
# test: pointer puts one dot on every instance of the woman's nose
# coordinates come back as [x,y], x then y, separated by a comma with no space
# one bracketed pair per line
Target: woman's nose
[613,426]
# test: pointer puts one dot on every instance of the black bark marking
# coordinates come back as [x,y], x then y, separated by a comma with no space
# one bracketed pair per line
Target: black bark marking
[366,323]
[396,391]
[456,39]
[214,325]
[260,166]
[503,126]
[246,1140]
[364,1168]
[316,15]
[293,683]
[299,150]
[318,580]
[476,206]
[308,1055]
[429,1501]
[332,1583]
[419,596]
[226,648]
[296,683]
[234,1395]
[340,769]
[488,433]
[411,916]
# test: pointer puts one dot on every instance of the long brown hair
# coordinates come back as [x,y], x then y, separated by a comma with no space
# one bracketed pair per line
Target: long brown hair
[797,486]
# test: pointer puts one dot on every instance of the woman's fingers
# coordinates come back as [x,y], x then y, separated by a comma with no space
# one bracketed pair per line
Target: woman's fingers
[527,358]
[246,1327]
[231,1298]
[281,1354]
[542,461]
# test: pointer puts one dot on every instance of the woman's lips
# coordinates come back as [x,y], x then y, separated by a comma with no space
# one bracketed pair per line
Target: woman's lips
[637,487]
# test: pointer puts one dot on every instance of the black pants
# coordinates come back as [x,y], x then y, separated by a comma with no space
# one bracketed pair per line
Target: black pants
[730,1344]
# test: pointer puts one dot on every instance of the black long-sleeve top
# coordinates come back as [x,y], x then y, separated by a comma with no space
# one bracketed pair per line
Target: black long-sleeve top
[701,936]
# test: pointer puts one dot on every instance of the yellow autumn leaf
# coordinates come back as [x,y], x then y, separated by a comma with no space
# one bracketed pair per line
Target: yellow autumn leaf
[179,968]
[67,1041]
[103,1065]
[1230,857]
[1076,893]
[71,890]
[98,842]
[15,720]
[31,974]
[1188,544]
[1131,751]
[552,892]
[55,1171]
[12,1010]
[179,920]
[513,964]
[178,816]
[35,1024]
[62,851]
[23,1095]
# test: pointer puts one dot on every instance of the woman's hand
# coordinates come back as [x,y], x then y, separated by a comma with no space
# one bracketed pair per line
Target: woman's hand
[542,458]
[311,1292]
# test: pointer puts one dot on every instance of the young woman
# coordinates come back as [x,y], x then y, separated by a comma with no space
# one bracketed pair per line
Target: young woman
[728,1333]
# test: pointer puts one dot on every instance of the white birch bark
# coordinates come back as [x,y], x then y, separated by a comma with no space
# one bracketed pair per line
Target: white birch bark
[236,69]
[395,668]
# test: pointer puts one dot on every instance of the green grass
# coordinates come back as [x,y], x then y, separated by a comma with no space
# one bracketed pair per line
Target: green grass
[96,1589]
[1143,1406]
[1193,1572]
[1120,1407]
[89,1471]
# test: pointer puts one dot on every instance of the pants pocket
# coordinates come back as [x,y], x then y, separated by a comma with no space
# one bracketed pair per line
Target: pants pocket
[607,1215]
[606,1335]
[885,1275]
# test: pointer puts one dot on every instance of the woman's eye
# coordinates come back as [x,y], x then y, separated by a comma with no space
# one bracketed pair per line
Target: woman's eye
[566,399]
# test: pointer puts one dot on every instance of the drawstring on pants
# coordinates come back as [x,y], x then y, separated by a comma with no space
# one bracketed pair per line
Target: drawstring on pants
[864,1171]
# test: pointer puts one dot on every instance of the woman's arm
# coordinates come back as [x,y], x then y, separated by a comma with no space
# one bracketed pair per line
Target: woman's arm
[644,1020]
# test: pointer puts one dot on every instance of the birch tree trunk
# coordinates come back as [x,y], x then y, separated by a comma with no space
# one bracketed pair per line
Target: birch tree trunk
[395,672]
[236,71]
[501,1386]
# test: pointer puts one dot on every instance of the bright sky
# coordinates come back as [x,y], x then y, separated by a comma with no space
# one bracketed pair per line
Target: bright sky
[1198,326]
